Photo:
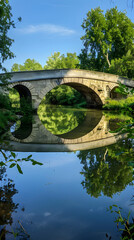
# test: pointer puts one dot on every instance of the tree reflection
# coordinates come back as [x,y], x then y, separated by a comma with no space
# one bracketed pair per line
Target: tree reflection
[107,170]
[7,206]
[60,120]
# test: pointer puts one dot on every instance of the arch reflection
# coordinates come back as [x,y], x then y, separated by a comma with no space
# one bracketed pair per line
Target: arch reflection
[93,132]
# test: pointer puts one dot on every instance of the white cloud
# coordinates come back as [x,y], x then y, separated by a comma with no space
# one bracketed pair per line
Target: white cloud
[47,28]
[46,214]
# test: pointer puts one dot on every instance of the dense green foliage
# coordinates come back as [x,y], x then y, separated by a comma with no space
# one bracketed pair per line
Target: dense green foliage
[123,66]
[14,98]
[126,104]
[58,61]
[120,104]
[6,23]
[55,61]
[65,95]
[6,113]
[29,65]
[107,37]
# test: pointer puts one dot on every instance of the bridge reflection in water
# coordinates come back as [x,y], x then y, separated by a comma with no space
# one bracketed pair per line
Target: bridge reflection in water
[93,132]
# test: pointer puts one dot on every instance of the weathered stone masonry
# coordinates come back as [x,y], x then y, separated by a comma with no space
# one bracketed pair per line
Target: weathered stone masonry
[95,86]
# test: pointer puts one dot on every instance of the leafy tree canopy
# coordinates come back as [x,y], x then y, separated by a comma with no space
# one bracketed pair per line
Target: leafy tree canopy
[55,61]
[107,37]
[123,66]
[58,61]
[29,65]
[6,23]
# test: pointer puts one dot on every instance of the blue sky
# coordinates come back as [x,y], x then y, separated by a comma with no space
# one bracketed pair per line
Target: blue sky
[50,26]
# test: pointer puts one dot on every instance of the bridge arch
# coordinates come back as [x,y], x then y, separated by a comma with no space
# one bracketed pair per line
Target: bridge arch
[90,93]
[25,95]
[93,96]
[25,91]
[115,95]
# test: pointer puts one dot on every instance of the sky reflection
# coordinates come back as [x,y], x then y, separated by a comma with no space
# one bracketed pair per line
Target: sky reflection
[56,205]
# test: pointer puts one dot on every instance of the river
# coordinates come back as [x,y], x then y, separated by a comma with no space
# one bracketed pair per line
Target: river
[86,169]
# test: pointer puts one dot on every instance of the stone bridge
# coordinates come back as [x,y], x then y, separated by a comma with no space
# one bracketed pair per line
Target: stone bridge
[95,86]
[38,139]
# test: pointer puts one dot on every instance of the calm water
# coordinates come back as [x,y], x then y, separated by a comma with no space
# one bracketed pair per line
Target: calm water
[85,170]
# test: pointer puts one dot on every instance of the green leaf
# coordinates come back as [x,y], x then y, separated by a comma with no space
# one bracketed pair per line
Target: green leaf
[35,162]
[19,169]
[12,165]
[125,238]
[131,227]
[2,164]
[13,154]
[11,160]
[114,205]
[4,155]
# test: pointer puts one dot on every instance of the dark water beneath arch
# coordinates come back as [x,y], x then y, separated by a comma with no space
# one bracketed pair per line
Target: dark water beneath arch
[83,173]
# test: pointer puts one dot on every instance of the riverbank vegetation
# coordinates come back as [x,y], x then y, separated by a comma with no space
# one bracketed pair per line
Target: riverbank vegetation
[122,104]
[126,103]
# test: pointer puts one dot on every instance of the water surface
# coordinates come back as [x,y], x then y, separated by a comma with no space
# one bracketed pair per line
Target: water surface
[67,198]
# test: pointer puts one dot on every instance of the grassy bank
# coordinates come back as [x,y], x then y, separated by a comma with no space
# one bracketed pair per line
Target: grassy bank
[126,104]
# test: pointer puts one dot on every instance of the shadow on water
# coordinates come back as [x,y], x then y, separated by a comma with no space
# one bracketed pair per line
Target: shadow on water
[90,121]
[22,129]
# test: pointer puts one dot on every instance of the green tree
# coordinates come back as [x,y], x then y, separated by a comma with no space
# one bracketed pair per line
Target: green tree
[29,65]
[123,66]
[107,37]
[58,61]
[6,23]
